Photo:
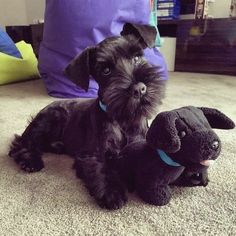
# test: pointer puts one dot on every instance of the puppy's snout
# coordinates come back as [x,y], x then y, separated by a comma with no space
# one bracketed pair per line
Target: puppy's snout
[215,145]
[139,89]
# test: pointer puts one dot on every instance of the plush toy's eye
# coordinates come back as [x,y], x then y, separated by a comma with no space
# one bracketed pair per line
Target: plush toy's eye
[182,134]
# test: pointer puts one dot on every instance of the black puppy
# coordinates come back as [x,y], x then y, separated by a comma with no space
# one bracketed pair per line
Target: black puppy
[179,147]
[130,91]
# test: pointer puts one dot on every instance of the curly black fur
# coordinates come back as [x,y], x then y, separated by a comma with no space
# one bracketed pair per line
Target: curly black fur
[83,130]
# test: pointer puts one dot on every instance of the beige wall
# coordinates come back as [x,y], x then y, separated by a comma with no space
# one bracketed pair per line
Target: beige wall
[12,12]
[220,8]
[34,10]
[20,12]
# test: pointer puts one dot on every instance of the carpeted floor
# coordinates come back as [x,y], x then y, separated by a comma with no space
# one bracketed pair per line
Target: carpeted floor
[53,202]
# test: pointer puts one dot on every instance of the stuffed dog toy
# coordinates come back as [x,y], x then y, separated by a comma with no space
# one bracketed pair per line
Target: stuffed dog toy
[179,147]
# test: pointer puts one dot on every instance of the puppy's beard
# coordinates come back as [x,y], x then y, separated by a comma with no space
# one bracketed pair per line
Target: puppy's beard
[153,98]
[123,106]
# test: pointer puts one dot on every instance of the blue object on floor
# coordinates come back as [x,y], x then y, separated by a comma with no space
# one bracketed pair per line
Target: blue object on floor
[7,46]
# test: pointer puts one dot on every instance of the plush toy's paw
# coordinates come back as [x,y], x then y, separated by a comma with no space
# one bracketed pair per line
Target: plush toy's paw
[112,199]
[192,179]
[158,196]
[198,179]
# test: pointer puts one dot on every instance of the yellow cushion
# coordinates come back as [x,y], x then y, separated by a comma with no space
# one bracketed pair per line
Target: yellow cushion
[14,69]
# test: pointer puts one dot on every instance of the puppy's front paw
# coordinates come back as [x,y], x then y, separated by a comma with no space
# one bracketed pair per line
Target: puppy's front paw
[113,199]
[102,183]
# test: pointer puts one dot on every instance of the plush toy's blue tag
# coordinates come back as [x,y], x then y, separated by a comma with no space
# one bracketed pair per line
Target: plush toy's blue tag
[102,106]
[167,159]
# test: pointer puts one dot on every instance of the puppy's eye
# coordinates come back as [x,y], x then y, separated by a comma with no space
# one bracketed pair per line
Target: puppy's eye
[182,134]
[106,71]
[137,59]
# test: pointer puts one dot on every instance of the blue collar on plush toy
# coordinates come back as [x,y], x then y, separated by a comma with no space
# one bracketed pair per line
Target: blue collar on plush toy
[102,106]
[164,157]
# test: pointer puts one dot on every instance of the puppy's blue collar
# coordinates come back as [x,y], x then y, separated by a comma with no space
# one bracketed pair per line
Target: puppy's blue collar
[164,157]
[102,106]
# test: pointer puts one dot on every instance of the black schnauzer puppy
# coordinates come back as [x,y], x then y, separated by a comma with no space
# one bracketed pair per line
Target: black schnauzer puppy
[179,147]
[130,91]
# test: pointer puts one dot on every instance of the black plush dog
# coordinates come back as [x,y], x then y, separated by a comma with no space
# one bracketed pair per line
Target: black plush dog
[179,147]
[130,90]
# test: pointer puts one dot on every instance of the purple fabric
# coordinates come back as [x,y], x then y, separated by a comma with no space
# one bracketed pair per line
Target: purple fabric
[71,26]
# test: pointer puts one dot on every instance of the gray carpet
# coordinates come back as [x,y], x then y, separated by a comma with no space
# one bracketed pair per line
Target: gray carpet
[53,202]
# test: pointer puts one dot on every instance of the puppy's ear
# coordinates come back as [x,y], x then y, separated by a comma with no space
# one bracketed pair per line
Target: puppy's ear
[217,119]
[78,70]
[146,34]
[163,134]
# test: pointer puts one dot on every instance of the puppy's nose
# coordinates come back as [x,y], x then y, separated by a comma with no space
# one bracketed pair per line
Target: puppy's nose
[139,89]
[215,145]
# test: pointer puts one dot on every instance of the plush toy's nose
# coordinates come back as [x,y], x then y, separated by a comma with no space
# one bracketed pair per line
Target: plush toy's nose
[215,145]
[139,89]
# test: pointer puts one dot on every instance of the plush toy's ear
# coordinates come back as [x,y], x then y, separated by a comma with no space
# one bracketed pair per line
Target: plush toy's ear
[163,134]
[78,70]
[146,34]
[217,119]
